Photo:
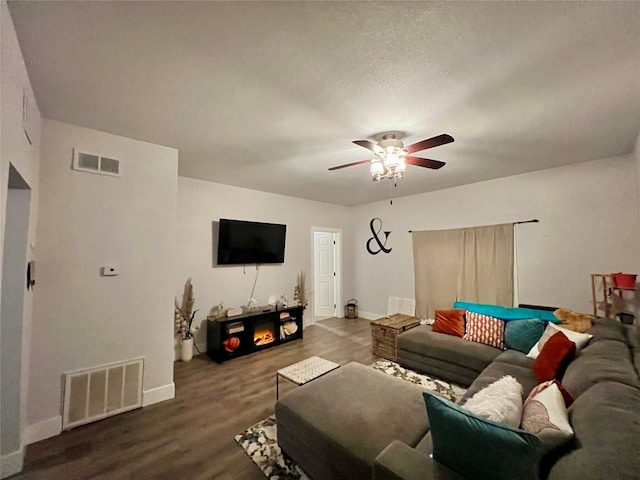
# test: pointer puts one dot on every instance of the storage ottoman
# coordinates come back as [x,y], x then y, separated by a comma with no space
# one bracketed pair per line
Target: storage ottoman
[325,426]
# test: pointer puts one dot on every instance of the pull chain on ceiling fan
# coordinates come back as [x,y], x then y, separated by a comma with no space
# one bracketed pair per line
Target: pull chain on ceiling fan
[392,156]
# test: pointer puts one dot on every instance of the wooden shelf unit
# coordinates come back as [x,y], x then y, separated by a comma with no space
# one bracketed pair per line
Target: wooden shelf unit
[601,291]
[604,293]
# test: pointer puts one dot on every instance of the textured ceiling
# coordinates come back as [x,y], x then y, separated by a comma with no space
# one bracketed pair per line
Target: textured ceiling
[269,95]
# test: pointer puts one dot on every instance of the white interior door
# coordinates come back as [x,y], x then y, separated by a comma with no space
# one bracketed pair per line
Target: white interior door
[324,282]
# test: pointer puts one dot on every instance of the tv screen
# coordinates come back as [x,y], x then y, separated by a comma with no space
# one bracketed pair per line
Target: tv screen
[242,243]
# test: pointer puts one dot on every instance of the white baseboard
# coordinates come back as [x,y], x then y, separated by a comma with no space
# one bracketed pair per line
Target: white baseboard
[11,463]
[53,426]
[44,429]
[158,394]
[370,316]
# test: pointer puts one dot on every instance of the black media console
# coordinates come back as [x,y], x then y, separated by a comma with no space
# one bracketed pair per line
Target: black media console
[232,337]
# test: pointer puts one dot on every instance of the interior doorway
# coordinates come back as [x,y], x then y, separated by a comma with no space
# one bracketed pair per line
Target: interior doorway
[14,286]
[327,274]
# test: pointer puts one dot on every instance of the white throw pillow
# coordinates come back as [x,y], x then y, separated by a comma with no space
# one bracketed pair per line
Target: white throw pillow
[580,339]
[500,402]
[545,415]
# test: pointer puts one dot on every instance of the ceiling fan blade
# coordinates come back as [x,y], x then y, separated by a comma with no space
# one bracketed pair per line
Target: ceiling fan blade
[430,143]
[369,146]
[350,164]
[425,162]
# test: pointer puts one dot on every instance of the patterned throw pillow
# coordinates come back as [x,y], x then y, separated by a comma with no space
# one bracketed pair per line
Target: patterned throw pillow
[450,322]
[567,397]
[485,329]
[545,415]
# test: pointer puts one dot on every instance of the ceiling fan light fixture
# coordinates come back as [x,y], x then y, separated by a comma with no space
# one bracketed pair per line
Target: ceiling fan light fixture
[377,170]
[402,165]
[391,161]
[392,156]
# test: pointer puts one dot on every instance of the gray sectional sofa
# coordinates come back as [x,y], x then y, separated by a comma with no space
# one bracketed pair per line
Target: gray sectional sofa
[358,423]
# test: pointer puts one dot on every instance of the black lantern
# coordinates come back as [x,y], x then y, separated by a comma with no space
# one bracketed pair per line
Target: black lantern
[351,309]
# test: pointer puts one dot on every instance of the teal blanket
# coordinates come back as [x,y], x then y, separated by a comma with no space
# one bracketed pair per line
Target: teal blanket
[507,313]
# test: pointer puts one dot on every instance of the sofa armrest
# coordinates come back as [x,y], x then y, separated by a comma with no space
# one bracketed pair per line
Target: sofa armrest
[401,462]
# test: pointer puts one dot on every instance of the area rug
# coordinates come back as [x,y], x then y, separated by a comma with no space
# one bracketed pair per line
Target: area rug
[260,441]
[448,390]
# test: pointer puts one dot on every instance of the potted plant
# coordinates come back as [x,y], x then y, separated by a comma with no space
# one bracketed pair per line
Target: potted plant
[300,294]
[184,316]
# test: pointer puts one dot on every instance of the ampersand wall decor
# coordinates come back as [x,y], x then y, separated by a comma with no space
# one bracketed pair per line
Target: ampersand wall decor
[376,238]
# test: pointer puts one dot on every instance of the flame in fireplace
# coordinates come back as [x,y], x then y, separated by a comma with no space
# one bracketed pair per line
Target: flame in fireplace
[263,336]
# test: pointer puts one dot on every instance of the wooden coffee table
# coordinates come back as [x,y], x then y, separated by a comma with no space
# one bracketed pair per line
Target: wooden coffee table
[305,371]
[385,331]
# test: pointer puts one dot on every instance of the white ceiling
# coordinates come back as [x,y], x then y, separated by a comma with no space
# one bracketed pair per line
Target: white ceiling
[269,95]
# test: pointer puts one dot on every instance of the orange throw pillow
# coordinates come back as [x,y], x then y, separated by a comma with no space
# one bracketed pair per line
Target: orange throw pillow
[450,322]
[554,357]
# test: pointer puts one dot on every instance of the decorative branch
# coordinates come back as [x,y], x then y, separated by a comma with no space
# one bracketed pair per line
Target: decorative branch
[184,313]
[300,293]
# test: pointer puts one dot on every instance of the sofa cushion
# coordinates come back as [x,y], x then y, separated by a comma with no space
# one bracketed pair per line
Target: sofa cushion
[633,336]
[454,350]
[500,401]
[497,370]
[607,435]
[557,352]
[478,448]
[608,329]
[521,335]
[606,360]
[515,358]
[450,322]
[458,374]
[484,329]
[401,462]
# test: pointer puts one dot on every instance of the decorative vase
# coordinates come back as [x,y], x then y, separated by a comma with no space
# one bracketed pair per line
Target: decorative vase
[187,349]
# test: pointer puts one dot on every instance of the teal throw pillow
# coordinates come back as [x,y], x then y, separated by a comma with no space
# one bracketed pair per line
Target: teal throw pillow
[521,335]
[480,449]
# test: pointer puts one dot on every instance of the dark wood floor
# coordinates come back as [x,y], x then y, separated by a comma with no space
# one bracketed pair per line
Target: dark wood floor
[191,436]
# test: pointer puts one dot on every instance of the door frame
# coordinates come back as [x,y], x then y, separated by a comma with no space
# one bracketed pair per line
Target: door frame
[15,253]
[338,263]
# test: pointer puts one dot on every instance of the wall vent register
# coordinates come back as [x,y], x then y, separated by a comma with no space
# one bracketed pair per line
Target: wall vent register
[96,393]
[93,163]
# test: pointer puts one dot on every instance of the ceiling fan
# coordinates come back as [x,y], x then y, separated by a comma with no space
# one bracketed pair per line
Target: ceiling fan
[392,156]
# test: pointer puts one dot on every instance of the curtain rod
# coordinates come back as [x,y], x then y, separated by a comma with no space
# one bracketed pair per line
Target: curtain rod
[534,220]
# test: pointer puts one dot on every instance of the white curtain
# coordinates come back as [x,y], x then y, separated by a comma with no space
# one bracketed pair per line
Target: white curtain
[436,262]
[467,264]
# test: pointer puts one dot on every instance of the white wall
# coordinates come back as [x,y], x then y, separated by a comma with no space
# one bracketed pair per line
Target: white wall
[588,224]
[16,150]
[201,203]
[82,319]
[636,156]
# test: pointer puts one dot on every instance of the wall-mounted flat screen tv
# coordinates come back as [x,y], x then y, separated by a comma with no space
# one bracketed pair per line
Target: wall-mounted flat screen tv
[242,243]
